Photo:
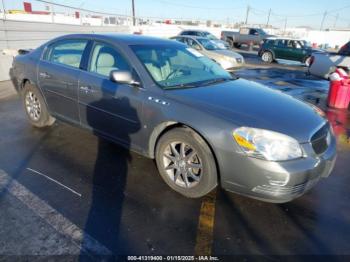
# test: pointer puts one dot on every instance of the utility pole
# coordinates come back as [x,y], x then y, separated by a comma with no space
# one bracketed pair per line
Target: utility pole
[133,13]
[268,18]
[285,25]
[247,15]
[3,6]
[323,19]
[336,20]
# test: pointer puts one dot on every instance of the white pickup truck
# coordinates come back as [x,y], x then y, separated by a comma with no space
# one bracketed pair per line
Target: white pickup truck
[323,64]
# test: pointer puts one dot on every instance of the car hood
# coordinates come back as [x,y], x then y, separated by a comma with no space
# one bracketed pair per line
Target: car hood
[228,53]
[246,103]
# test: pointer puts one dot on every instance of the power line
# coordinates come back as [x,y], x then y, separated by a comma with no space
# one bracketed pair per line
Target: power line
[198,7]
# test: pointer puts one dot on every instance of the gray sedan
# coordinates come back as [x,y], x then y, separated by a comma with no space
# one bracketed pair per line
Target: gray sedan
[168,102]
[228,59]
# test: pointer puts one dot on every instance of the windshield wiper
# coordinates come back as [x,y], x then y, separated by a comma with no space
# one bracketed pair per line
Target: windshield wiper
[217,80]
[190,85]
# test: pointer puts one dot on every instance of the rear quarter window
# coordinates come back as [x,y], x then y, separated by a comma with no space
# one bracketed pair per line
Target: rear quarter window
[66,52]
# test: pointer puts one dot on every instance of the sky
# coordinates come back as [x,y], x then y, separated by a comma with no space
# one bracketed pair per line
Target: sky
[297,12]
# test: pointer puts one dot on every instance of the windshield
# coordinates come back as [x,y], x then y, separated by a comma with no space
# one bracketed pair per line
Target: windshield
[209,36]
[261,32]
[210,44]
[179,67]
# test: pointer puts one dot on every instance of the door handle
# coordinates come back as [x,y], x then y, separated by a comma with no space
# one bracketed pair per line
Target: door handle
[44,75]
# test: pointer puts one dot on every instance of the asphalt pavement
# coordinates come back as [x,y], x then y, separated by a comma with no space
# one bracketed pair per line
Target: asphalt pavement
[64,191]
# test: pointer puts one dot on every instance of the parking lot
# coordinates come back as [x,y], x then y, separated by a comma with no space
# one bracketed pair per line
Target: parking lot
[65,191]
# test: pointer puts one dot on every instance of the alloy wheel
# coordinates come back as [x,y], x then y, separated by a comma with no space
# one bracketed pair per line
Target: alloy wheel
[33,106]
[182,164]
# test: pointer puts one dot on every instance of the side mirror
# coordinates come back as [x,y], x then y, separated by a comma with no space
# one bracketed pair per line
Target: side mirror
[123,77]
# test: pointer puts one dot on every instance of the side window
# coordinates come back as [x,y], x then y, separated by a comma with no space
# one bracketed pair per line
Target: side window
[181,39]
[280,43]
[191,33]
[244,31]
[105,59]
[67,52]
[192,43]
[253,32]
[184,33]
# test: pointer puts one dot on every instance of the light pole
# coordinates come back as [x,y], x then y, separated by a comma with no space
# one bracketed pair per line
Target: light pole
[323,19]
[3,6]
[268,18]
[247,15]
[133,13]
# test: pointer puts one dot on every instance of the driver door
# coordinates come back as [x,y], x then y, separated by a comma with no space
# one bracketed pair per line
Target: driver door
[109,108]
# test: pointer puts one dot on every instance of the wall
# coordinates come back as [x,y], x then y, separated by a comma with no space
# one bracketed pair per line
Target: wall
[16,35]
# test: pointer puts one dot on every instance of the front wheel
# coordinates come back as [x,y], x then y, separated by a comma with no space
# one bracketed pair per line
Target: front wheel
[35,107]
[267,57]
[186,163]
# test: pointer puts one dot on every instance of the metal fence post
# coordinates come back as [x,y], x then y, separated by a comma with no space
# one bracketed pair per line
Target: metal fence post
[3,6]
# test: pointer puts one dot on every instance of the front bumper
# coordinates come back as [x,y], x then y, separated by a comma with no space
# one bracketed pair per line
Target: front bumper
[276,182]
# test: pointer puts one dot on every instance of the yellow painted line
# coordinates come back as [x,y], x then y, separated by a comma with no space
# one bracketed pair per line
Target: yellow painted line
[205,229]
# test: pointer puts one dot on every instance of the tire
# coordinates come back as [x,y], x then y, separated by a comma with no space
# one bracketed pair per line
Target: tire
[35,107]
[198,163]
[230,42]
[267,57]
[237,45]
[307,61]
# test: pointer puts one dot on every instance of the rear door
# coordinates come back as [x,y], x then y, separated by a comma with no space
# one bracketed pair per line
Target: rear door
[109,108]
[280,49]
[297,51]
[58,75]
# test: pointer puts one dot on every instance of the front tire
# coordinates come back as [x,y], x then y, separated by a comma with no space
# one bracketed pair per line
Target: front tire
[186,163]
[35,107]
[267,57]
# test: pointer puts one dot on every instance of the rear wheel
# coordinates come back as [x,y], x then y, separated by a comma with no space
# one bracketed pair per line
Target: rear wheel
[230,42]
[307,61]
[186,163]
[267,57]
[35,107]
[237,45]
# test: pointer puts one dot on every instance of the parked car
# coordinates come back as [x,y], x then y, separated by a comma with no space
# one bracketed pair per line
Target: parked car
[288,49]
[166,101]
[323,64]
[206,34]
[228,59]
[248,36]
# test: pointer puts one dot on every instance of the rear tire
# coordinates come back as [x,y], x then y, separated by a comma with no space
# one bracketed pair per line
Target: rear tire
[307,61]
[267,57]
[237,45]
[186,163]
[35,107]
[230,42]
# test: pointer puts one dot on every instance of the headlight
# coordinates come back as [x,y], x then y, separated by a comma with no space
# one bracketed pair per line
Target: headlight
[266,144]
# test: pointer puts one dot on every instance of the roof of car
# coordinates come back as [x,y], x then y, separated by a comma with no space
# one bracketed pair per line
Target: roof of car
[194,30]
[284,38]
[128,39]
[193,36]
